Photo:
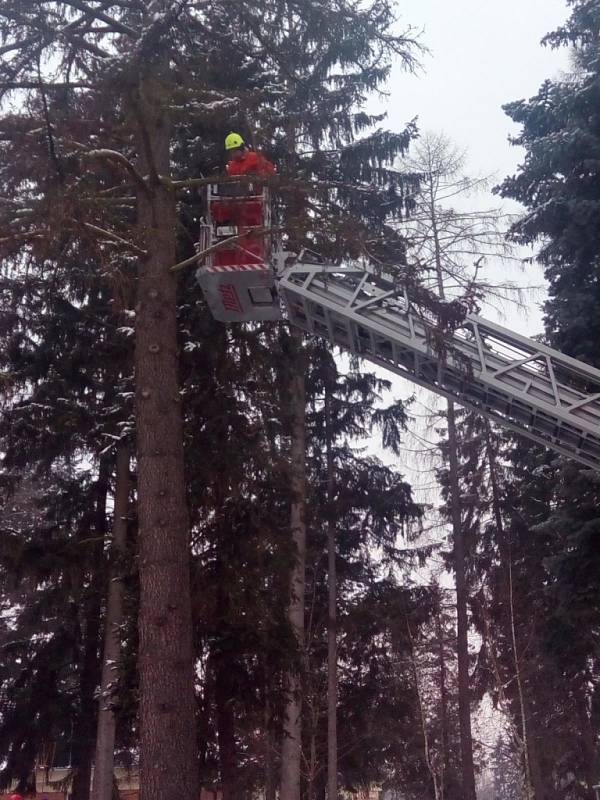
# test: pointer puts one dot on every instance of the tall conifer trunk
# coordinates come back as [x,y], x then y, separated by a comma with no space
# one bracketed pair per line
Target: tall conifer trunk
[534,782]
[225,727]
[332,676]
[444,746]
[83,729]
[291,748]
[167,703]
[588,740]
[224,692]
[102,784]
[462,618]
[270,744]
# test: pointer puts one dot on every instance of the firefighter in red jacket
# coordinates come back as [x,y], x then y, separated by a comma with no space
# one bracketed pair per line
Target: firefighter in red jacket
[246,208]
[245,161]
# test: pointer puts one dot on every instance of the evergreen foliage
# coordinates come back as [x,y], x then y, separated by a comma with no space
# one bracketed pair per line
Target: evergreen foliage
[85,84]
[70,253]
[557,183]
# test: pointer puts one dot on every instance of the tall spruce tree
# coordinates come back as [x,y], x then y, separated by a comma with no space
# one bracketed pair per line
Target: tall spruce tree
[450,244]
[322,61]
[345,407]
[557,184]
[65,403]
[129,50]
[495,605]
[544,507]
[122,73]
[533,661]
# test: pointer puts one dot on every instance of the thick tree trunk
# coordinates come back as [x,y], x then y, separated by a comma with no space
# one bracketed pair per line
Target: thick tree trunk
[313,758]
[541,778]
[291,748]
[102,784]
[225,728]
[85,723]
[462,619]
[269,755]
[223,659]
[205,732]
[588,741]
[332,666]
[169,769]
[84,727]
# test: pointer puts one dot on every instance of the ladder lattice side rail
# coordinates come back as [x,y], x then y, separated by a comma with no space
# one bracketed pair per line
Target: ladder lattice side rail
[518,382]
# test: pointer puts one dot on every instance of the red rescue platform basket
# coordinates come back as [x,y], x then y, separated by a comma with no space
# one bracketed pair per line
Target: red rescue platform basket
[237,276]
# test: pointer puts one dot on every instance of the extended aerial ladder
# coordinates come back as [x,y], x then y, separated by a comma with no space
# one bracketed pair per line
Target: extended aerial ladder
[516,381]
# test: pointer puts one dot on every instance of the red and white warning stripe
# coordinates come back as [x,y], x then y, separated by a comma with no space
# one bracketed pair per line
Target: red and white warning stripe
[237,268]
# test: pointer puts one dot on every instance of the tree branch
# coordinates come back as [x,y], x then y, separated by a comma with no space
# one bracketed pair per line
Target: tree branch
[98,14]
[86,16]
[216,179]
[24,236]
[119,158]
[116,238]
[7,48]
[38,85]
[256,233]
[77,40]
[277,180]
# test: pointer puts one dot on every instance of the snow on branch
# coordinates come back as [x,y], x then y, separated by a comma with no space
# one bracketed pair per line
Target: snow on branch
[115,238]
[18,45]
[119,158]
[225,104]
[42,85]
[97,13]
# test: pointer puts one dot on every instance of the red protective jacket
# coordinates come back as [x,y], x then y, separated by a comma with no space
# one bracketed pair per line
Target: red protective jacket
[252,163]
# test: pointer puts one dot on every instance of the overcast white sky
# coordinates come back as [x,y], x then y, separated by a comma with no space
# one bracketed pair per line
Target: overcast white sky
[484,53]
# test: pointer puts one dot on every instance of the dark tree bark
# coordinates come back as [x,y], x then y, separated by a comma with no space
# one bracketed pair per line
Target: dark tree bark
[225,729]
[103,779]
[291,748]
[169,768]
[444,745]
[269,756]
[541,773]
[332,676]
[459,553]
[224,690]
[85,724]
[588,741]
[204,725]
[462,619]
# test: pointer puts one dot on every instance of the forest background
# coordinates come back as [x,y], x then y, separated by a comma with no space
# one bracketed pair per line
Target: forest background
[300,602]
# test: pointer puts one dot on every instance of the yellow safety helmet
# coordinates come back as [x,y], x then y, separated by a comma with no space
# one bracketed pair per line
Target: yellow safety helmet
[233,141]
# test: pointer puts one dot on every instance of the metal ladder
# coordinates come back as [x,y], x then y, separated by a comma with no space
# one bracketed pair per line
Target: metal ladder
[523,385]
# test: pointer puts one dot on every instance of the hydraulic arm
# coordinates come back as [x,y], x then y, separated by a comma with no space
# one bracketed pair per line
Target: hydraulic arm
[518,382]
